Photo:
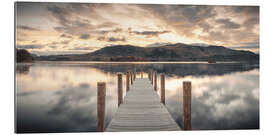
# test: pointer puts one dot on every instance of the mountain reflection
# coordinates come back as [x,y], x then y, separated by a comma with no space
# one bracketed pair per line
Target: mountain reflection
[61,97]
[194,69]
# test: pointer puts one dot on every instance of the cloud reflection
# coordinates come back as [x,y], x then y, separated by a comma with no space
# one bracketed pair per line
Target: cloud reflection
[224,104]
[62,97]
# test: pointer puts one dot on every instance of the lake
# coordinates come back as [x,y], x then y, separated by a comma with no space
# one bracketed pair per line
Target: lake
[62,96]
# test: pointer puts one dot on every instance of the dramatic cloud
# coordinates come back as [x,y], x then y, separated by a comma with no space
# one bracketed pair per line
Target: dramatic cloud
[24,27]
[149,33]
[227,23]
[141,24]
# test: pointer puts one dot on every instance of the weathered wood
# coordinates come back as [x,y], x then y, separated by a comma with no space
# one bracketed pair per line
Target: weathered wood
[155,82]
[127,81]
[162,88]
[120,89]
[131,77]
[101,96]
[134,71]
[186,105]
[142,111]
[152,76]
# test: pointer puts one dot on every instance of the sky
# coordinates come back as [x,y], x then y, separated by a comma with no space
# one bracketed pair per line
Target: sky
[76,28]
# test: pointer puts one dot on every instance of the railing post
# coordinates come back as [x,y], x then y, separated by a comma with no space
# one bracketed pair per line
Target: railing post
[134,73]
[120,88]
[162,88]
[155,83]
[101,96]
[152,76]
[141,74]
[127,81]
[186,118]
[131,77]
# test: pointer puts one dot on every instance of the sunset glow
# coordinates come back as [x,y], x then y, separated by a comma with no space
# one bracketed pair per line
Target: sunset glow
[74,28]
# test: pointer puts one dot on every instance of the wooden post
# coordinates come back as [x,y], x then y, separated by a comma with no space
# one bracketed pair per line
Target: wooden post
[155,82]
[162,88]
[127,81]
[148,73]
[131,77]
[120,89]
[101,96]
[141,74]
[186,117]
[152,76]
[134,73]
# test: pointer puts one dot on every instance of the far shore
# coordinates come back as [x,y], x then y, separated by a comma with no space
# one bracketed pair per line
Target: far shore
[140,62]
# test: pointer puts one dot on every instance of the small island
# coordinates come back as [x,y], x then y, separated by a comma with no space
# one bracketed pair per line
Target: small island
[23,55]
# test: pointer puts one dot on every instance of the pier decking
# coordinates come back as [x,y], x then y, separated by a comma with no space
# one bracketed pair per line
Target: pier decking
[142,110]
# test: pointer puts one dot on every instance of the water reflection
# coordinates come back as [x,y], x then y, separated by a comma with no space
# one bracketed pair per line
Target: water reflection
[227,102]
[23,68]
[61,97]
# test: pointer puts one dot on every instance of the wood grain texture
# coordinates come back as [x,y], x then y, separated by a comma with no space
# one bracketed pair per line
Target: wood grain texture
[127,81]
[162,88]
[155,82]
[186,105]
[142,111]
[101,95]
[120,89]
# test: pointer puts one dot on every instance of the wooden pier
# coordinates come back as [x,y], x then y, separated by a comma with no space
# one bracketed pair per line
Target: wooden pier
[142,110]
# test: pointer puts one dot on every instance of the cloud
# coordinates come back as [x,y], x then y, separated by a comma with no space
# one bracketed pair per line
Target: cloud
[210,24]
[74,19]
[65,36]
[30,46]
[228,24]
[189,20]
[84,36]
[116,30]
[24,27]
[27,93]
[60,42]
[149,33]
[61,14]
[84,48]
[101,38]
[113,39]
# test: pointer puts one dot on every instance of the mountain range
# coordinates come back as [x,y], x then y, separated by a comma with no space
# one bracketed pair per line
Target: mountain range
[170,52]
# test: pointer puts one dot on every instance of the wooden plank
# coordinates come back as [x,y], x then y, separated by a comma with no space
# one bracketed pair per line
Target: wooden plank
[142,110]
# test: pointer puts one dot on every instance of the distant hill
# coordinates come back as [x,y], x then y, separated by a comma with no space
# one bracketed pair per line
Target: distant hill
[23,55]
[171,52]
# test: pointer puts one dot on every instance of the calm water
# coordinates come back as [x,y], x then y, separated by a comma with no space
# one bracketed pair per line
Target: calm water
[61,96]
